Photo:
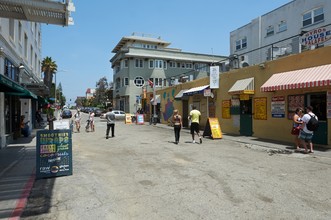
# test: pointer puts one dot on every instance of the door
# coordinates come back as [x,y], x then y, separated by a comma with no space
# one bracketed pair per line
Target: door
[318,102]
[246,122]
[185,113]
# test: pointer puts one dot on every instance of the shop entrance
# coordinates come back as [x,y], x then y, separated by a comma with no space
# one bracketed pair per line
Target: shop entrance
[246,122]
[318,102]
[185,111]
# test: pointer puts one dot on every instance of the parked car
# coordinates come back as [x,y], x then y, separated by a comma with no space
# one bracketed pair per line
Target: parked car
[97,112]
[119,115]
[66,113]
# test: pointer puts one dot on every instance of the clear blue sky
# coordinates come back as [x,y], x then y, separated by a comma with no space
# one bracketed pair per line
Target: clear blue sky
[82,51]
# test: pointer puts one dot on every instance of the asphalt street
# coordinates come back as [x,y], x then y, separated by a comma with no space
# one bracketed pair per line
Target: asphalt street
[142,174]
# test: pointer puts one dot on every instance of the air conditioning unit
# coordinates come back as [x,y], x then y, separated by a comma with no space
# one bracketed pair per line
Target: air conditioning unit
[243,61]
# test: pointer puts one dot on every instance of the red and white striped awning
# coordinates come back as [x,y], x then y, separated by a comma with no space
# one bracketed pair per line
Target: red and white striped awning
[299,79]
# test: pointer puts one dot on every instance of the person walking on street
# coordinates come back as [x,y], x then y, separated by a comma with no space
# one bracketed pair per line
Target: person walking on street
[306,135]
[296,127]
[110,116]
[177,120]
[91,118]
[195,117]
[77,118]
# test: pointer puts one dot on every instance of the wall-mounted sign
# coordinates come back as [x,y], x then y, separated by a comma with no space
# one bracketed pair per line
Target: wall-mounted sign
[260,108]
[316,36]
[54,153]
[226,106]
[278,107]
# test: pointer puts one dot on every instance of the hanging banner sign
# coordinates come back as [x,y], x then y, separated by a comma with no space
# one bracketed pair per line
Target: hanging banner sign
[214,77]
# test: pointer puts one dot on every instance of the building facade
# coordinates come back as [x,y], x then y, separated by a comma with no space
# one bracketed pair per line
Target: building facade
[139,59]
[20,75]
[290,29]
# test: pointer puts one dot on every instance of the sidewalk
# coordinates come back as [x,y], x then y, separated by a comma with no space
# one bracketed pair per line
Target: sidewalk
[17,166]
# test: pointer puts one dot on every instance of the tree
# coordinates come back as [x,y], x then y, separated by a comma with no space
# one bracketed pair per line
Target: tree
[59,95]
[49,67]
[100,92]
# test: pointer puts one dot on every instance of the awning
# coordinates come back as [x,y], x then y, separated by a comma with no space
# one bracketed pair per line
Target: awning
[243,86]
[195,90]
[180,95]
[12,88]
[299,79]
[158,99]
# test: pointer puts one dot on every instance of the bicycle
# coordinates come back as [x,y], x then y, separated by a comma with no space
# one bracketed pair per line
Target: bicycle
[88,125]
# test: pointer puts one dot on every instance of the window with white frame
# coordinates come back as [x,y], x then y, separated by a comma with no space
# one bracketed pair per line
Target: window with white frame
[164,82]
[312,17]
[165,64]
[159,64]
[270,30]
[139,63]
[125,63]
[241,44]
[182,65]
[172,64]
[158,82]
[19,32]
[25,46]
[178,65]
[126,81]
[122,82]
[151,64]
[282,26]
[12,28]
[188,65]
[139,81]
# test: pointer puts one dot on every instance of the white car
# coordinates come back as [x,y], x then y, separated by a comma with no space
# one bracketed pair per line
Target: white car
[119,115]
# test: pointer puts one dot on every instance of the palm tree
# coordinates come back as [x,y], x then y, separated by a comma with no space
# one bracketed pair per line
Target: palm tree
[49,67]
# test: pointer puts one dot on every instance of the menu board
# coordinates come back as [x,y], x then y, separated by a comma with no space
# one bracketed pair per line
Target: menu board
[260,108]
[226,106]
[294,102]
[278,107]
[54,153]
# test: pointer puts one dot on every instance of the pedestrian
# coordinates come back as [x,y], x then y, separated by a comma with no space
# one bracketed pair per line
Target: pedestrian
[110,116]
[91,118]
[297,121]
[306,135]
[177,120]
[77,118]
[195,117]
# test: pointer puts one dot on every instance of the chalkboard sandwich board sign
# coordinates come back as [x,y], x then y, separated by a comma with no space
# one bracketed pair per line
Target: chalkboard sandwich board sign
[54,153]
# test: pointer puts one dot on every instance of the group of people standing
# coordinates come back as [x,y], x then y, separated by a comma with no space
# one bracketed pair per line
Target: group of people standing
[301,131]
[90,121]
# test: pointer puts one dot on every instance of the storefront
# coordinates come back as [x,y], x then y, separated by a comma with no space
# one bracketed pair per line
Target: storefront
[302,88]
[242,93]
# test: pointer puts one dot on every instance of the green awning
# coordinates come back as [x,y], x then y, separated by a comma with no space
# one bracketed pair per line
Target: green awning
[12,88]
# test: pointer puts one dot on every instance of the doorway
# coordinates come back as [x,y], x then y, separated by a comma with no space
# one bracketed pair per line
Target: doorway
[318,102]
[246,121]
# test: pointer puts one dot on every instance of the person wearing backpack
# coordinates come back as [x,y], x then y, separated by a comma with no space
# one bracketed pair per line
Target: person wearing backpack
[310,124]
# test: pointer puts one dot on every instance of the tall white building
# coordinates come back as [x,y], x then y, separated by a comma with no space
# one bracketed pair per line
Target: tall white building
[292,28]
[139,59]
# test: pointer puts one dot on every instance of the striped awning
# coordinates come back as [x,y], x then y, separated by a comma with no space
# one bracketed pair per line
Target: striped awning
[299,79]
[243,86]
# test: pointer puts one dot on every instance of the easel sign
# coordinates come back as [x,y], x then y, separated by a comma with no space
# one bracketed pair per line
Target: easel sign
[128,119]
[213,129]
[140,119]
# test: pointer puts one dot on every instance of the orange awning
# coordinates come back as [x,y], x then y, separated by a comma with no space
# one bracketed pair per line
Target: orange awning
[299,79]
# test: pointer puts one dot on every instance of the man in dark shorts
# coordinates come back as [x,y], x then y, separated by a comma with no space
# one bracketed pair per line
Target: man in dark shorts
[195,117]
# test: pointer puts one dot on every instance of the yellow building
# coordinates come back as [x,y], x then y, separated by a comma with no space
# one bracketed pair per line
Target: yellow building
[260,100]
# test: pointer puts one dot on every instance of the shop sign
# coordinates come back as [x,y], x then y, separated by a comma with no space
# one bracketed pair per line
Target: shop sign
[316,36]
[278,107]
[244,97]
[207,92]
[226,107]
[260,108]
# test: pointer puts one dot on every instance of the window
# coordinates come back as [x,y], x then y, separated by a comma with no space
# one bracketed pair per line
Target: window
[165,64]
[139,81]
[270,30]
[25,46]
[312,17]
[10,70]
[178,65]
[164,82]
[172,64]
[183,65]
[188,65]
[159,64]
[158,82]
[19,32]
[125,63]
[151,64]
[31,55]
[12,28]
[241,44]
[139,63]
[126,81]
[282,26]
